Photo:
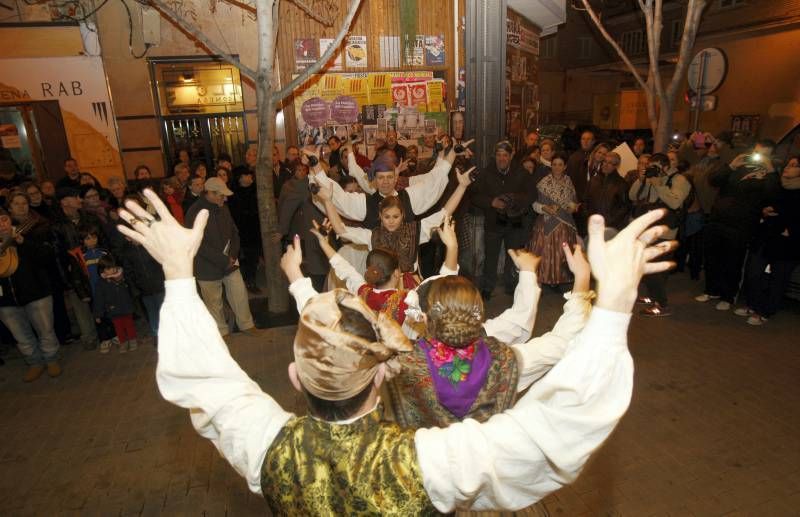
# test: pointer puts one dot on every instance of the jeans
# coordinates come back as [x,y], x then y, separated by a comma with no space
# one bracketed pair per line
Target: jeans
[84,316]
[152,304]
[23,321]
[235,293]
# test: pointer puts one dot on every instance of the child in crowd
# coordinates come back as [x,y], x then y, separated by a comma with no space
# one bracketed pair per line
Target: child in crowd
[169,187]
[381,286]
[112,300]
[88,256]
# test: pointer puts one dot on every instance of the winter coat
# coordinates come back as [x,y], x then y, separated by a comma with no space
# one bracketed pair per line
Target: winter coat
[220,241]
[112,299]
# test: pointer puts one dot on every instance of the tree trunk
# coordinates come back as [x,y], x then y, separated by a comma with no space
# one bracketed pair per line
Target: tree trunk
[277,293]
[664,129]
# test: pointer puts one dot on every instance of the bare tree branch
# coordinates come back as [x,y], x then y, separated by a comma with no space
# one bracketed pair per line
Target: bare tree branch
[625,59]
[316,67]
[694,11]
[326,21]
[194,32]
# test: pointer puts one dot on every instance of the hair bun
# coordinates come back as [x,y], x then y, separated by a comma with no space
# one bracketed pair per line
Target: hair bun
[373,275]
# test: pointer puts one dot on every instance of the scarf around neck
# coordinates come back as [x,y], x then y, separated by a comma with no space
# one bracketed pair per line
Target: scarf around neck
[458,374]
[402,242]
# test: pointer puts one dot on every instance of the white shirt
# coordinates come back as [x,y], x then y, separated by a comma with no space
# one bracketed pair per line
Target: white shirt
[509,462]
[423,192]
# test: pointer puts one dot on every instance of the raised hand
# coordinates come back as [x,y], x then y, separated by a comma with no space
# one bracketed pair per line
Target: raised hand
[291,260]
[172,245]
[619,264]
[577,263]
[447,232]
[464,178]
[525,260]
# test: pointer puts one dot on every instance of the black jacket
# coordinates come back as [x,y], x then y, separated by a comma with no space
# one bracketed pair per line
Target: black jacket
[295,215]
[111,299]
[607,195]
[220,240]
[30,282]
[577,172]
[142,272]
[490,184]
[188,201]
[244,210]
[742,195]
[780,234]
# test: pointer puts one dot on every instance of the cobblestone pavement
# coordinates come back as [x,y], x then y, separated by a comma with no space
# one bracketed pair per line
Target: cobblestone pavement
[712,429]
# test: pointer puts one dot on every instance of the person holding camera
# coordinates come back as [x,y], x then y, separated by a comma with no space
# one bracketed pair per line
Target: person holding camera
[745,187]
[503,193]
[659,185]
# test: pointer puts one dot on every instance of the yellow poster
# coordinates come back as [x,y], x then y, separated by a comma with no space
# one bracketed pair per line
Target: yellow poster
[435,96]
[331,86]
[357,88]
[380,89]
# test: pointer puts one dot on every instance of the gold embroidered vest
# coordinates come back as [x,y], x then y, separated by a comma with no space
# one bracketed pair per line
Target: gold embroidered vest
[367,467]
[413,401]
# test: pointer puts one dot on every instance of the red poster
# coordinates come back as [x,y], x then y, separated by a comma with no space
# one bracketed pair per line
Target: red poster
[418,93]
[400,96]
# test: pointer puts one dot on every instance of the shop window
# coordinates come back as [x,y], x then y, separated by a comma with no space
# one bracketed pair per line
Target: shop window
[633,42]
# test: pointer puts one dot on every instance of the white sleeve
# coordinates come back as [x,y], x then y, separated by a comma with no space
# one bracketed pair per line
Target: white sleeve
[515,324]
[358,235]
[302,291]
[446,271]
[426,191]
[195,371]
[521,455]
[427,225]
[536,357]
[345,271]
[357,172]
[352,205]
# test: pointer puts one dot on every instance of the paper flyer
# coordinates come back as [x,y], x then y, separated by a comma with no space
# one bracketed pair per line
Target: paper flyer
[305,53]
[390,51]
[418,94]
[434,50]
[335,62]
[356,52]
[380,89]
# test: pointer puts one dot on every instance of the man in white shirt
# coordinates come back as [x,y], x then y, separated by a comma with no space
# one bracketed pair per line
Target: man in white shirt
[342,459]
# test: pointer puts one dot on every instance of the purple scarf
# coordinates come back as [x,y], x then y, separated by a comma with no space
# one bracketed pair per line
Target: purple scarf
[458,373]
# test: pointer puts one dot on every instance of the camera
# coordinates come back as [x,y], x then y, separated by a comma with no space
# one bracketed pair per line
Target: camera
[313,161]
[652,171]
[473,175]
[756,157]
[459,148]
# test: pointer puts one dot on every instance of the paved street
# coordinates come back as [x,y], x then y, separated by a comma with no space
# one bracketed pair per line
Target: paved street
[712,429]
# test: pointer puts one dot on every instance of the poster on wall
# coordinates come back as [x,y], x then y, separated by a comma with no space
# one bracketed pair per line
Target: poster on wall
[415,54]
[305,53]
[369,104]
[356,52]
[336,62]
[79,86]
[529,41]
[390,51]
[434,50]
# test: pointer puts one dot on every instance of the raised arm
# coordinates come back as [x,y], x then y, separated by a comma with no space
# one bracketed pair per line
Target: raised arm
[430,223]
[195,370]
[521,455]
[426,191]
[358,173]
[352,278]
[515,324]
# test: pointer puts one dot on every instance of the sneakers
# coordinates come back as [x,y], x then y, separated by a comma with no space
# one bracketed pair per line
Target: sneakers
[644,300]
[123,347]
[744,311]
[656,311]
[105,346]
[132,345]
[756,320]
[53,369]
[723,306]
[703,298]
[33,373]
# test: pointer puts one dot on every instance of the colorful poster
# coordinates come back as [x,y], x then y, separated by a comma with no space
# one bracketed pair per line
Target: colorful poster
[418,58]
[331,86]
[435,95]
[418,95]
[315,112]
[335,63]
[371,113]
[380,89]
[400,96]
[344,110]
[357,88]
[356,52]
[305,53]
[434,50]
[390,51]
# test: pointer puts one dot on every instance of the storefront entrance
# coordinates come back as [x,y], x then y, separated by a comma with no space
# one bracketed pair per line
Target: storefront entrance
[201,110]
[33,143]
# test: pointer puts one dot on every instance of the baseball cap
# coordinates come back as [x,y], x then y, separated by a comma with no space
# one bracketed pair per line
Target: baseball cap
[217,185]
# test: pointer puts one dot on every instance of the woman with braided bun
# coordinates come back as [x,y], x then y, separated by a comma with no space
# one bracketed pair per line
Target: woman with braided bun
[394,233]
[381,285]
[463,366]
